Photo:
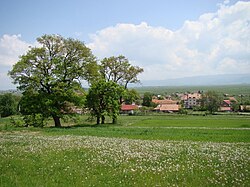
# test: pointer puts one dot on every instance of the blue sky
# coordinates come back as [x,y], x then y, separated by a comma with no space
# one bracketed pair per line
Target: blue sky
[162,36]
[79,18]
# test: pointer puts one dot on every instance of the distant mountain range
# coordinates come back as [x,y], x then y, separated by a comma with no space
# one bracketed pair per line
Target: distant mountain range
[228,79]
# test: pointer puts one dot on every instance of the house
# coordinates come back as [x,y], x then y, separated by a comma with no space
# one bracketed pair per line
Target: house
[225,109]
[232,99]
[164,102]
[128,109]
[191,100]
[167,108]
[226,103]
[245,108]
[226,106]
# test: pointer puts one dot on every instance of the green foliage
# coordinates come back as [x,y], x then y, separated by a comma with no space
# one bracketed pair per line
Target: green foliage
[183,111]
[103,99]
[8,105]
[17,122]
[131,96]
[119,70]
[211,101]
[35,120]
[147,100]
[50,76]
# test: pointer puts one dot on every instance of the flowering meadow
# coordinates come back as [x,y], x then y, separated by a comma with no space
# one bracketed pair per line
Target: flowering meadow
[29,158]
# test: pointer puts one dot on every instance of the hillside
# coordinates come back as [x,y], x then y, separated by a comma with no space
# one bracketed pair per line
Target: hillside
[228,79]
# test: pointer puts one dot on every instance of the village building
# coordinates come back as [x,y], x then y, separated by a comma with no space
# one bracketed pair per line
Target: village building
[166,105]
[167,108]
[226,106]
[245,108]
[191,100]
[128,109]
[164,101]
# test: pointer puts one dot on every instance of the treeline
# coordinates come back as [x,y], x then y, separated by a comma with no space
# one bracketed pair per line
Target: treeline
[9,104]
[103,99]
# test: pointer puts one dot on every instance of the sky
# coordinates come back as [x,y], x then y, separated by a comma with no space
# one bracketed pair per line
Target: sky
[168,38]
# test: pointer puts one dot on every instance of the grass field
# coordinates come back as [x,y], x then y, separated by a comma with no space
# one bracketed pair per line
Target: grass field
[167,150]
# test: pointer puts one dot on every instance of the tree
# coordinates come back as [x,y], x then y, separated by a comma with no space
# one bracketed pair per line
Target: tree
[119,70]
[8,105]
[103,99]
[131,96]
[210,101]
[235,106]
[51,75]
[147,100]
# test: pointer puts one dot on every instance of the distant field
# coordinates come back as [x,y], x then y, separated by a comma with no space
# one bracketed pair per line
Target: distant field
[167,150]
[228,89]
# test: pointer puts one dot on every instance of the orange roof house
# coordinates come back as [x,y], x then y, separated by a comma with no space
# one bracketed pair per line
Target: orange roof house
[226,103]
[232,99]
[225,109]
[165,101]
[167,108]
[129,107]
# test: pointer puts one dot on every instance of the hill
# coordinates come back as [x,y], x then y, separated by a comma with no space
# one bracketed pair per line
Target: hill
[208,80]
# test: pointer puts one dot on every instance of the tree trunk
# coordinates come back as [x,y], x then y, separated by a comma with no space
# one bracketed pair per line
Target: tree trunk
[114,120]
[97,120]
[57,121]
[103,119]
[121,100]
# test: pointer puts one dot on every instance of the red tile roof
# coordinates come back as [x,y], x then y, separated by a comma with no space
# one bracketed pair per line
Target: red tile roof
[171,107]
[232,99]
[165,101]
[129,107]
[227,102]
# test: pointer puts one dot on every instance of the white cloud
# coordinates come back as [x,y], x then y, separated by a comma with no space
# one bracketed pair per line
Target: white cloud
[216,43]
[11,47]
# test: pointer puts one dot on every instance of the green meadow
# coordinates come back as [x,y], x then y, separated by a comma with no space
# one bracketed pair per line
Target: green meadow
[152,150]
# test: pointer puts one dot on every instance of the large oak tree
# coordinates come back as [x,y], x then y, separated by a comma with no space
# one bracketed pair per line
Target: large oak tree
[119,70]
[51,74]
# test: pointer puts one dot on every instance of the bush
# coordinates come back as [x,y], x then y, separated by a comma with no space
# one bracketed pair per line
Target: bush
[183,111]
[8,105]
[17,122]
[35,120]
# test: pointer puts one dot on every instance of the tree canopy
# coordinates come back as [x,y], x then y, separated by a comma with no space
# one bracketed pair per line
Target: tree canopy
[8,104]
[210,101]
[103,99]
[51,75]
[119,70]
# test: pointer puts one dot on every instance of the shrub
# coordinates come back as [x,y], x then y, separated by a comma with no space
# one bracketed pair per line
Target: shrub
[35,120]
